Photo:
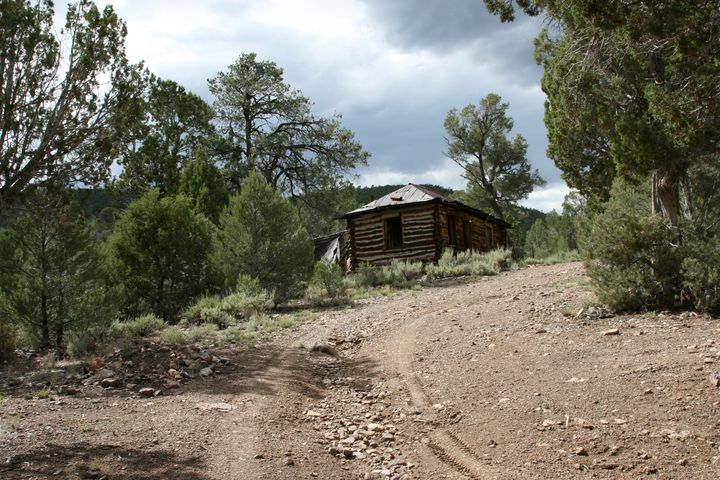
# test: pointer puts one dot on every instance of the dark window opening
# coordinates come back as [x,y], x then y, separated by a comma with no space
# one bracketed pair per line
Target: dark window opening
[451,230]
[393,232]
[467,234]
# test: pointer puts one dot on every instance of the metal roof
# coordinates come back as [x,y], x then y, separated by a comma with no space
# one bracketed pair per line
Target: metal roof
[402,196]
[411,194]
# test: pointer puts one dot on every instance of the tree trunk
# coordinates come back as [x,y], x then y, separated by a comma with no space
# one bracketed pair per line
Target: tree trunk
[666,195]
[45,324]
[59,339]
[496,209]
[249,153]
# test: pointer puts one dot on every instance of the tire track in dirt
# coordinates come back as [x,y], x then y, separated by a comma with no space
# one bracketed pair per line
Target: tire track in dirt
[445,446]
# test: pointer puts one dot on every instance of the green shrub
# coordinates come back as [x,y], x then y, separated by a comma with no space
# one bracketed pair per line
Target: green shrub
[366,276]
[400,273]
[246,304]
[174,335]
[328,286]
[51,280]
[216,316]
[138,327]
[248,285]
[7,341]
[192,315]
[635,261]
[159,252]
[261,236]
[261,324]
[701,273]
[238,336]
[85,341]
[199,333]
[470,262]
[224,311]
[286,322]
[328,276]
[554,258]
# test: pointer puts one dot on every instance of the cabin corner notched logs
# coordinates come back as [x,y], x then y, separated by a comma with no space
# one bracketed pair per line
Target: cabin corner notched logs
[414,223]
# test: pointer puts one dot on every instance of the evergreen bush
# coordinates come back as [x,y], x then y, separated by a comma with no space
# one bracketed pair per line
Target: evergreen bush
[261,236]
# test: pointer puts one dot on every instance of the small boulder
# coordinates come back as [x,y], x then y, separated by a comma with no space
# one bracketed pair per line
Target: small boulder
[110,382]
[146,392]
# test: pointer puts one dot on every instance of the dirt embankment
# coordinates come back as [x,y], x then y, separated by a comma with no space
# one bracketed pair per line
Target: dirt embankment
[494,378]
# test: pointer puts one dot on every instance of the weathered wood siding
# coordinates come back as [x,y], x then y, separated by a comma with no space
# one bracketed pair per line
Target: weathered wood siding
[368,236]
[482,239]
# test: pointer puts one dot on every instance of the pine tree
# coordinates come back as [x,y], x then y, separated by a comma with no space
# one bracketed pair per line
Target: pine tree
[261,236]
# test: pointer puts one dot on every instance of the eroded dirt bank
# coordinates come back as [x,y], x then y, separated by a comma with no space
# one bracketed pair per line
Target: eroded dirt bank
[496,378]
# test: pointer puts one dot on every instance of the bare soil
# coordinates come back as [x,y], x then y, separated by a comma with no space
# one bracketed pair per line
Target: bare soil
[497,378]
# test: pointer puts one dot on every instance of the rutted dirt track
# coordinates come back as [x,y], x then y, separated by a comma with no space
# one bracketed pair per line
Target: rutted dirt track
[495,378]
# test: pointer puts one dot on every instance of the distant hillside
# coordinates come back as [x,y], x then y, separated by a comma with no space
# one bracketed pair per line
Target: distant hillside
[366,195]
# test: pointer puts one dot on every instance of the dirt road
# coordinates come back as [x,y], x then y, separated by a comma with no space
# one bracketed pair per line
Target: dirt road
[497,378]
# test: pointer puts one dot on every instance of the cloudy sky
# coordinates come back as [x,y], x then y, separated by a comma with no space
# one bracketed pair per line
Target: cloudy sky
[391,68]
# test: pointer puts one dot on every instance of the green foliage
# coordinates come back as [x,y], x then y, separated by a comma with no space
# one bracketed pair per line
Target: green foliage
[174,335]
[550,235]
[224,311]
[629,94]
[470,262]
[635,259]
[202,182]
[51,280]
[138,327]
[365,276]
[554,258]
[168,125]
[64,90]
[400,274]
[248,285]
[261,236]
[261,324]
[495,166]
[244,304]
[701,275]
[320,208]
[83,342]
[216,316]
[639,261]
[158,252]
[7,341]
[193,313]
[204,332]
[268,127]
[329,277]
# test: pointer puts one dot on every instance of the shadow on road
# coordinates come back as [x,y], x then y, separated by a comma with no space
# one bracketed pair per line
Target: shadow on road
[85,461]
[268,369]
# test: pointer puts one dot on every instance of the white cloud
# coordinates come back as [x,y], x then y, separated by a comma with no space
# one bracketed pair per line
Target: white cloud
[446,174]
[547,198]
[393,96]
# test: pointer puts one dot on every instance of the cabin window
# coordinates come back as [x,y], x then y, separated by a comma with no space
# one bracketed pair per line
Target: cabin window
[393,232]
[451,230]
[489,237]
[467,234]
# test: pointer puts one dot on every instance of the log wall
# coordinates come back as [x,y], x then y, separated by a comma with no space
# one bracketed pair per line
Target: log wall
[368,237]
[425,234]
[485,236]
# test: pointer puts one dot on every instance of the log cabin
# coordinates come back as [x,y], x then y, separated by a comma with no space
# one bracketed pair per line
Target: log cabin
[418,224]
